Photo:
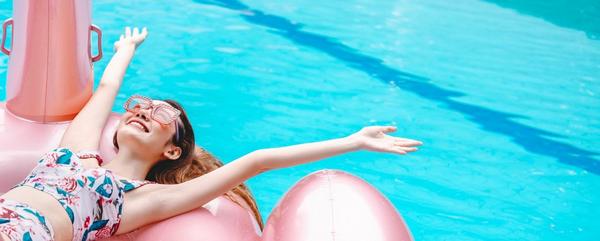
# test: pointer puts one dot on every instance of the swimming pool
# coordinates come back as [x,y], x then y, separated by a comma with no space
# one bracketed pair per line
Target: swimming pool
[503,94]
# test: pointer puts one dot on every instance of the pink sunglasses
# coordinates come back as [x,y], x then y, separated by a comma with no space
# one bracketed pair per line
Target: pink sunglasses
[162,113]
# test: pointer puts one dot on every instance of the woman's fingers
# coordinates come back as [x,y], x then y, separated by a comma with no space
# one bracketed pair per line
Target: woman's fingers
[144,32]
[387,129]
[406,142]
[393,148]
[134,34]
[409,149]
[403,150]
[404,139]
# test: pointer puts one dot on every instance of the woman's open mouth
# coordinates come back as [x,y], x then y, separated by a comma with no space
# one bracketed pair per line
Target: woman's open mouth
[139,125]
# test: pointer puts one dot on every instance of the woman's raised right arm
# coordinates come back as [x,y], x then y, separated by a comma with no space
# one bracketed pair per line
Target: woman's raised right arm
[85,132]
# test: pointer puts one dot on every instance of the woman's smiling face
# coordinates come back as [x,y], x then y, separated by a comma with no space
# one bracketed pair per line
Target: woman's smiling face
[139,130]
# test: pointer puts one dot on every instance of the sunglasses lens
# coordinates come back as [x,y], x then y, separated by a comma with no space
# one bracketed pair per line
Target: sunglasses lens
[164,115]
[135,104]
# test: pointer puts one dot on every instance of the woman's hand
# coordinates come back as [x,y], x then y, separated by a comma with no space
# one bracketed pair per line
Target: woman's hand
[131,39]
[374,138]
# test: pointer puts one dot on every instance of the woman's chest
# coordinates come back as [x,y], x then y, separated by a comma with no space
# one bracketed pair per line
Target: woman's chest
[73,182]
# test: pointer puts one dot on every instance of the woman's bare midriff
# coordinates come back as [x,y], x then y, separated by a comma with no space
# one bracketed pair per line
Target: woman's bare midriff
[47,206]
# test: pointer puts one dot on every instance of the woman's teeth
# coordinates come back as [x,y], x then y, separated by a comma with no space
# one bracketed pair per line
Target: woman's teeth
[138,125]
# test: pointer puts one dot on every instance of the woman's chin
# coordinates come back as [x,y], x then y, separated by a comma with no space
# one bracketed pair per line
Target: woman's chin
[130,136]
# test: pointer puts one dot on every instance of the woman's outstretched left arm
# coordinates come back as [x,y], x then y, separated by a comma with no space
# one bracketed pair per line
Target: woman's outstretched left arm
[196,192]
[372,138]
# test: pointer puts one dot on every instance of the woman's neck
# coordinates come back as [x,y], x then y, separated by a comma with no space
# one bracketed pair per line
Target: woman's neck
[127,164]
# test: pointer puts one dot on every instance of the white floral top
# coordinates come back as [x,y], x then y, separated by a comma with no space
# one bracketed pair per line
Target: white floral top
[93,198]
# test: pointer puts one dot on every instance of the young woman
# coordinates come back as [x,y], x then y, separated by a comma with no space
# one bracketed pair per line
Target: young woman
[72,195]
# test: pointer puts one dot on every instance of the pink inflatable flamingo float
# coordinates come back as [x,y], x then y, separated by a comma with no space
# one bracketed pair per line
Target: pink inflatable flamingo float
[50,78]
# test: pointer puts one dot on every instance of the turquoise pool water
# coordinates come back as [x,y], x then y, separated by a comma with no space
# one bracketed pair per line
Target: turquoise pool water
[504,94]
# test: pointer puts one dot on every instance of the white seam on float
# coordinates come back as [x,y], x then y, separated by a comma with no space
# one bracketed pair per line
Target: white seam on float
[331,204]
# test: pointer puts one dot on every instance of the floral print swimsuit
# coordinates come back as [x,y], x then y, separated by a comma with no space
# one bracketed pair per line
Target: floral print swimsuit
[92,198]
[21,222]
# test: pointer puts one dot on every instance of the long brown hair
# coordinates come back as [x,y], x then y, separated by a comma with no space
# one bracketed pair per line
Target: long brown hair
[193,162]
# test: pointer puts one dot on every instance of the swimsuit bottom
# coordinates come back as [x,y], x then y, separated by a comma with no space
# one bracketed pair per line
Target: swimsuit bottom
[19,221]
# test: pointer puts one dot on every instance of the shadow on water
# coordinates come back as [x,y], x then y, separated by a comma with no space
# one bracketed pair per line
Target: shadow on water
[530,138]
[581,15]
